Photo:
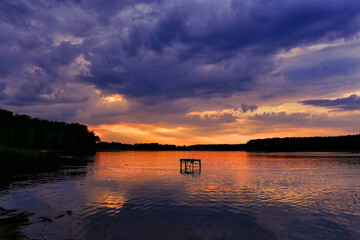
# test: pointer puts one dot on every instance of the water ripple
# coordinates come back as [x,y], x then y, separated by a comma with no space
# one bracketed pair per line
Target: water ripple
[237,195]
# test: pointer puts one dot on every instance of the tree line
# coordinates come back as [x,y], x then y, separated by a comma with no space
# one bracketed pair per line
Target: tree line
[338,143]
[23,131]
[169,147]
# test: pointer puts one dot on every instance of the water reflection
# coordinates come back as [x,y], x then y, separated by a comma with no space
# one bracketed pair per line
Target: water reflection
[141,195]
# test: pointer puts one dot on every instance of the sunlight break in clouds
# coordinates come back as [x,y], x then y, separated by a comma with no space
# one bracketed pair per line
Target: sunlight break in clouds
[180,71]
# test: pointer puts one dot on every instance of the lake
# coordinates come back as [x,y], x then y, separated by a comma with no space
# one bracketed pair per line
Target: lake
[236,195]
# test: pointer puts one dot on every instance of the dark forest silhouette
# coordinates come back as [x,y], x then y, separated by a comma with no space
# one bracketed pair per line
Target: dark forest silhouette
[25,132]
[167,147]
[339,143]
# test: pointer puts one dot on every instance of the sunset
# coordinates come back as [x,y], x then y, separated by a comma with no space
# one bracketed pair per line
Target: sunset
[137,117]
[184,72]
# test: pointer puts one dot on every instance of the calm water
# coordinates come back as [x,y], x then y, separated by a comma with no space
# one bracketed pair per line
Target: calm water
[237,195]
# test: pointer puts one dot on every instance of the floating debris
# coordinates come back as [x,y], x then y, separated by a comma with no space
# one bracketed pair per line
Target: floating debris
[60,216]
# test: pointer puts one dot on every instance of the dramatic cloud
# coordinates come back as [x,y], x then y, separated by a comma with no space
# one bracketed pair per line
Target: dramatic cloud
[306,120]
[2,89]
[176,62]
[245,108]
[348,103]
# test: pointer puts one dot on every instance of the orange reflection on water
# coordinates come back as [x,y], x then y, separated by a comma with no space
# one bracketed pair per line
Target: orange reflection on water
[143,195]
[222,173]
[118,165]
[230,178]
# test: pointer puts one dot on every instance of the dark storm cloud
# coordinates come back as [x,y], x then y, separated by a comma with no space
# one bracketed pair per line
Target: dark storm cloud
[62,55]
[348,103]
[209,119]
[263,25]
[161,51]
[41,93]
[322,70]
[13,12]
[189,36]
[105,10]
[2,89]
[247,108]
[294,120]
[168,29]
[280,118]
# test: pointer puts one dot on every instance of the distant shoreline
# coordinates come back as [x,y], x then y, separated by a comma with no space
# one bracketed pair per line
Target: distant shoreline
[349,143]
[22,136]
[248,151]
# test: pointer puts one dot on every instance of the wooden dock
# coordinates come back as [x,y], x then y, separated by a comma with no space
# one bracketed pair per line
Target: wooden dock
[190,165]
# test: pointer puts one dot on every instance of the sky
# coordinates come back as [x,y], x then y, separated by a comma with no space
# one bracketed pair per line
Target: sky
[184,71]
